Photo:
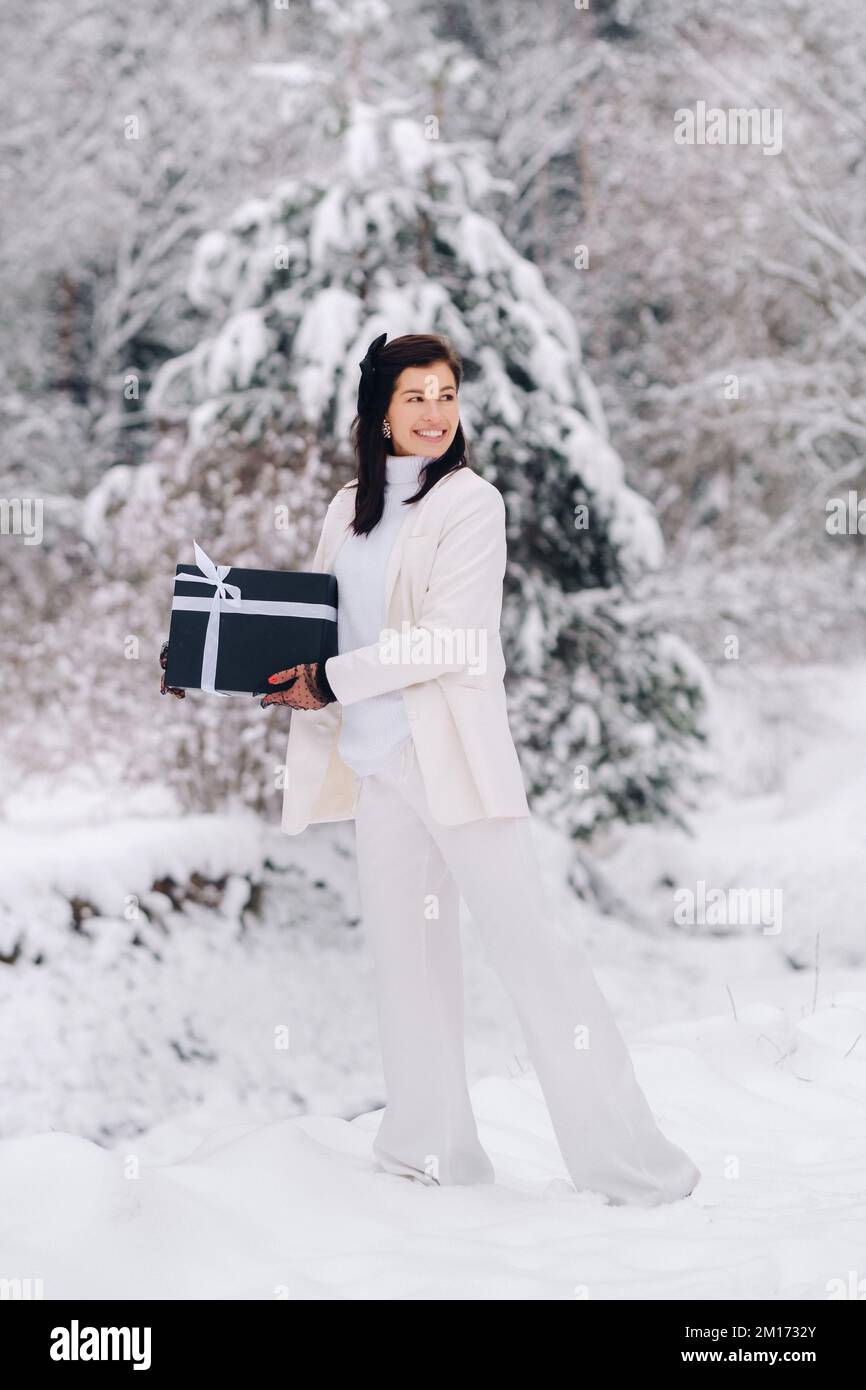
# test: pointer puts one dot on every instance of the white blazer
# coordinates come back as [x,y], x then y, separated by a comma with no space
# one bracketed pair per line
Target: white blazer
[444,575]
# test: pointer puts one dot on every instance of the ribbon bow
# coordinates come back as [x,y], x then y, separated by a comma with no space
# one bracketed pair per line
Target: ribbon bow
[367,386]
[212,574]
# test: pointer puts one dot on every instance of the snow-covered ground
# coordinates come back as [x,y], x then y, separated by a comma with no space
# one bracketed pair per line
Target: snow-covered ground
[190,1088]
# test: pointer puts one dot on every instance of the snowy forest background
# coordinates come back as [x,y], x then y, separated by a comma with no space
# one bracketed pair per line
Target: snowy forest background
[208,213]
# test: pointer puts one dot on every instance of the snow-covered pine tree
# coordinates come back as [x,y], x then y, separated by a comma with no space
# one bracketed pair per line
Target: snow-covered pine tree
[401,236]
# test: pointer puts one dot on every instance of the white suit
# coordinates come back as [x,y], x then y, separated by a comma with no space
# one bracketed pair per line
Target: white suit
[449,816]
[444,573]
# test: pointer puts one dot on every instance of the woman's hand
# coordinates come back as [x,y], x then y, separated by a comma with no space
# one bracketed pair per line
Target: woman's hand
[163,688]
[307,687]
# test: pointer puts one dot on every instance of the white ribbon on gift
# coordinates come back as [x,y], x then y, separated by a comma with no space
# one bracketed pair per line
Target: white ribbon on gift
[212,574]
[231,595]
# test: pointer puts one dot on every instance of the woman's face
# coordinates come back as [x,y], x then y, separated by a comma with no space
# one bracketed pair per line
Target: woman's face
[424,412]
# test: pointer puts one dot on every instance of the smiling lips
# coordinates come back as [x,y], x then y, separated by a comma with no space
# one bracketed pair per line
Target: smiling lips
[429,434]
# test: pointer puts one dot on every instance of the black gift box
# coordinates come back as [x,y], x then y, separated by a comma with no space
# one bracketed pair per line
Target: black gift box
[252,644]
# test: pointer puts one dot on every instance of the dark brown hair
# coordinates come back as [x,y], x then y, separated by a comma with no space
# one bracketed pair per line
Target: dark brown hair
[370,445]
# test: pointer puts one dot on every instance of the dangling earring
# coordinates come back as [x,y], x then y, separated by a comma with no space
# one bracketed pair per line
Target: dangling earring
[386,428]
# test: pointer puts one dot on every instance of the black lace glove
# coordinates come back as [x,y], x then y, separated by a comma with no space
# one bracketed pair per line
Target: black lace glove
[306,687]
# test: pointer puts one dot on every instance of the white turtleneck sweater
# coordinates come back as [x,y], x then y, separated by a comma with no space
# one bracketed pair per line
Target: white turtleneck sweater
[372,730]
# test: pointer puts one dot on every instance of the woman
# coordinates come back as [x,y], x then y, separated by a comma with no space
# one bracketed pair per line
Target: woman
[406,731]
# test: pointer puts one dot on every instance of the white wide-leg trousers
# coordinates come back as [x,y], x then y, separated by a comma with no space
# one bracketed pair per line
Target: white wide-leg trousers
[411,873]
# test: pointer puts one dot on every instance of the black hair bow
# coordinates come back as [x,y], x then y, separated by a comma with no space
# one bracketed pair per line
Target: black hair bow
[367,386]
